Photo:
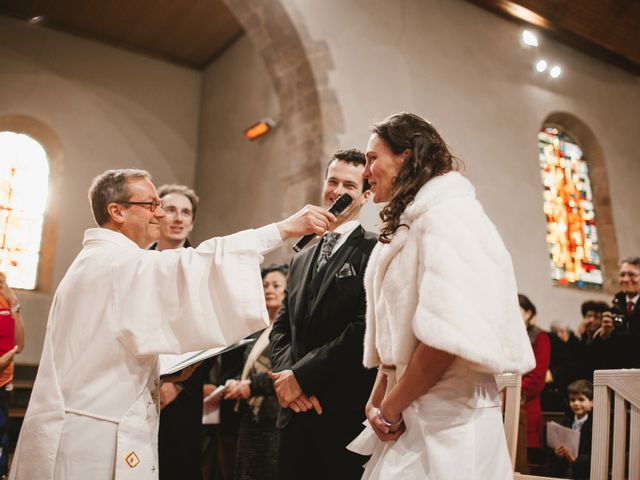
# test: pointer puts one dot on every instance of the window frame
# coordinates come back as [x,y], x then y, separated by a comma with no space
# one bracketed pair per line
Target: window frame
[593,154]
[51,144]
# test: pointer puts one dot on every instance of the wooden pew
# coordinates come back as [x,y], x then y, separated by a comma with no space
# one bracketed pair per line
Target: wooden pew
[622,389]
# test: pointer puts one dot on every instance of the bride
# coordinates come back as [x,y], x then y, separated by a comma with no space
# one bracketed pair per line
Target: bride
[442,316]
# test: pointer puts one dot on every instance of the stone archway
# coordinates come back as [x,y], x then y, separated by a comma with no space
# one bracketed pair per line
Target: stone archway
[586,139]
[310,114]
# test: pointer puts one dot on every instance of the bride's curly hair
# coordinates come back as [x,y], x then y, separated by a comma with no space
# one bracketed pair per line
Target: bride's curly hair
[428,157]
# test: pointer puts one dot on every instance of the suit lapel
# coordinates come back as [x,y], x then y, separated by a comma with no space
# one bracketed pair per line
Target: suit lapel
[301,284]
[335,262]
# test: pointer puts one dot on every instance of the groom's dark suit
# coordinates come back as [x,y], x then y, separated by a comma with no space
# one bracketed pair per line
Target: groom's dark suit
[318,334]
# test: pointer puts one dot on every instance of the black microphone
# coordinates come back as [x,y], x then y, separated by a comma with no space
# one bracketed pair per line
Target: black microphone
[339,206]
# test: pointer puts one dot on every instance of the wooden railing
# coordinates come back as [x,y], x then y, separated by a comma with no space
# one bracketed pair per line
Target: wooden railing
[511,385]
[624,387]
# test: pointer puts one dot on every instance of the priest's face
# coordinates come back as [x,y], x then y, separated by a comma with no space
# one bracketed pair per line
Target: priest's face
[142,222]
[179,220]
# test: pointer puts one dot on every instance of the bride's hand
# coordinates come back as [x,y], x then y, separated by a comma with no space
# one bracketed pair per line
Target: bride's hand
[384,432]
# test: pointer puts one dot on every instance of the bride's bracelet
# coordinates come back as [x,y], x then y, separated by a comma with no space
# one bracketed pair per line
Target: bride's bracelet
[386,422]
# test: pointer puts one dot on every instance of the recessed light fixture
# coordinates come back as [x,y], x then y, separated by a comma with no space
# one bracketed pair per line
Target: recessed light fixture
[541,66]
[529,38]
[555,72]
[37,19]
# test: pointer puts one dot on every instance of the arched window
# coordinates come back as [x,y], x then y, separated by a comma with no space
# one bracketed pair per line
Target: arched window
[24,181]
[572,237]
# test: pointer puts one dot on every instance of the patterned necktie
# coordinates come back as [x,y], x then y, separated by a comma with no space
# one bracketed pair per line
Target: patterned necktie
[329,240]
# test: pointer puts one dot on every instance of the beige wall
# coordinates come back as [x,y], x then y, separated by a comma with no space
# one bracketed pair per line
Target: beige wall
[240,182]
[110,109]
[464,69]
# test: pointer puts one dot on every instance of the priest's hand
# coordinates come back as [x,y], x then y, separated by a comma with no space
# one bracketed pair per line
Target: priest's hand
[237,389]
[287,387]
[168,393]
[7,358]
[311,219]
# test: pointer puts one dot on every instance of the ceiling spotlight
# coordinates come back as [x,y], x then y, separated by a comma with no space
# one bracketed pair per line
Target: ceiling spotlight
[529,38]
[541,66]
[37,19]
[555,72]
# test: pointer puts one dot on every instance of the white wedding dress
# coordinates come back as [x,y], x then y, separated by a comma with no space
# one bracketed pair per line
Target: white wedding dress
[454,432]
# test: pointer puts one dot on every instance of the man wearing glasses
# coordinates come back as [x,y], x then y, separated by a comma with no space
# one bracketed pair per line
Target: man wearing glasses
[94,407]
[621,325]
[179,445]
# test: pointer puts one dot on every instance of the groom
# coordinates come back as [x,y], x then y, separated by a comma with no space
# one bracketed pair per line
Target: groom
[317,340]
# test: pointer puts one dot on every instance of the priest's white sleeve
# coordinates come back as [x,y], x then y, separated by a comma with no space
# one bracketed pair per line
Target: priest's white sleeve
[181,300]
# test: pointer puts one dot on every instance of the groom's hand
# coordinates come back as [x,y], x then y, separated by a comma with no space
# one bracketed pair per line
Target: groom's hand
[303,404]
[286,386]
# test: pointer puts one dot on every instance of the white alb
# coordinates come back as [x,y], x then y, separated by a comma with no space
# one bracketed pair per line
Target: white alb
[93,413]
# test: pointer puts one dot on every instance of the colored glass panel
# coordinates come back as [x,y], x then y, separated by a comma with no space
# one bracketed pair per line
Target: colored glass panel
[572,236]
[24,180]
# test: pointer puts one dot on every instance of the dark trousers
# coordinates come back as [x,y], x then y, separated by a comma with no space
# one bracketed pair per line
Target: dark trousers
[179,447]
[314,447]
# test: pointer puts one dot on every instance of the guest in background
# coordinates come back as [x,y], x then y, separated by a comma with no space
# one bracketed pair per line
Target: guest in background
[12,341]
[563,463]
[532,385]
[222,438]
[257,450]
[623,339]
[561,368]
[590,351]
[181,402]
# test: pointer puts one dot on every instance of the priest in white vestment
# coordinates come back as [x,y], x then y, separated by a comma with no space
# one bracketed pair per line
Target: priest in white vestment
[93,412]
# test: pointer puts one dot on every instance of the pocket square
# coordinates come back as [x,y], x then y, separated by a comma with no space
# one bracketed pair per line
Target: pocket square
[345,271]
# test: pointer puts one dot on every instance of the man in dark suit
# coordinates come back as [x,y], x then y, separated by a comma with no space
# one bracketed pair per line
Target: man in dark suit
[317,340]
[181,402]
[623,339]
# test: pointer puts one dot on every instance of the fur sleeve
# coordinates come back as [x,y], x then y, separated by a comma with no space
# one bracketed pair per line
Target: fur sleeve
[371,358]
[467,299]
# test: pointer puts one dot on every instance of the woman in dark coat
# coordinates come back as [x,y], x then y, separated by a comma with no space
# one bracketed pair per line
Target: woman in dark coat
[257,449]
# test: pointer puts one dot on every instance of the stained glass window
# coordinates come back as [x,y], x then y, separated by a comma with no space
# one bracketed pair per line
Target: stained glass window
[24,180]
[572,237]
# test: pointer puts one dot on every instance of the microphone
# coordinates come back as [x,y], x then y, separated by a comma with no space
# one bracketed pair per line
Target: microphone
[339,206]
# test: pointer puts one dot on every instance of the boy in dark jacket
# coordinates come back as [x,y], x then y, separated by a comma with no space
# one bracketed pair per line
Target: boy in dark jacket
[563,463]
